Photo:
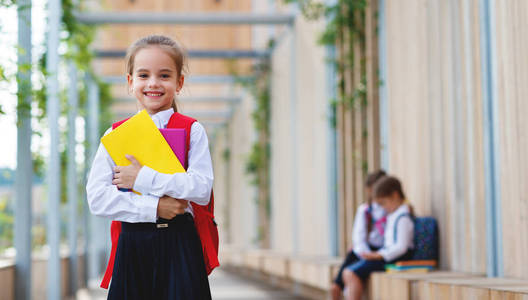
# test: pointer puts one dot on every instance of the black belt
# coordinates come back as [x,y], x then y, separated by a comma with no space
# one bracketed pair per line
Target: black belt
[160,224]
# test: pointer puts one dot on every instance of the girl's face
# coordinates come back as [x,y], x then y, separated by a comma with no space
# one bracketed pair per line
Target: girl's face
[154,80]
[390,203]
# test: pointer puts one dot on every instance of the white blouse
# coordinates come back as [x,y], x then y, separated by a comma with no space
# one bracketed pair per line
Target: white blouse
[395,247]
[105,200]
[361,239]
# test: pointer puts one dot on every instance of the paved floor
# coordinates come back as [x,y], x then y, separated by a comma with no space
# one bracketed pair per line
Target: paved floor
[224,286]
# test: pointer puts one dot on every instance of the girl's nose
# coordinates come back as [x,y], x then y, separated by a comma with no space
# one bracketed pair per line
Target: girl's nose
[153,81]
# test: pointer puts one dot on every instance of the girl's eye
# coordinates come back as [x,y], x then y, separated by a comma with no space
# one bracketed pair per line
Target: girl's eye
[142,75]
[165,76]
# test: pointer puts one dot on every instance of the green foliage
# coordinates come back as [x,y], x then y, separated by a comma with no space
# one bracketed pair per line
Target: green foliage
[6,223]
[3,78]
[257,163]
[346,16]
[226,155]
[333,110]
[260,89]
[77,38]
[7,3]
[311,9]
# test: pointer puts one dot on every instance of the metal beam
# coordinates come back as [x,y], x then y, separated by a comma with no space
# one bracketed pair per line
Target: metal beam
[195,79]
[92,108]
[24,171]
[53,174]
[492,167]
[198,99]
[383,90]
[213,18]
[295,204]
[73,101]
[227,54]
[331,148]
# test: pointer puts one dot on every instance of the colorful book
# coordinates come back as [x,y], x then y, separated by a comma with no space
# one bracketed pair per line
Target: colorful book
[140,137]
[415,270]
[392,268]
[431,262]
[175,137]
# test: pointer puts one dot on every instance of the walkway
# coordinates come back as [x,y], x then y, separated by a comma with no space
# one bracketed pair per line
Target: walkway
[224,286]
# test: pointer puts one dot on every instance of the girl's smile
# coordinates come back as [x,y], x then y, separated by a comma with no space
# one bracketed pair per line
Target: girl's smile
[154,95]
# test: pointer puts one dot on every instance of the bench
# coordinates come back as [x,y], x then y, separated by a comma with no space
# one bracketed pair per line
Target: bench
[440,285]
[311,276]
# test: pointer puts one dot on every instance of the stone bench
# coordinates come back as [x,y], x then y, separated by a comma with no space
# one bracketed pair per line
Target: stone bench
[311,276]
[467,288]
[440,285]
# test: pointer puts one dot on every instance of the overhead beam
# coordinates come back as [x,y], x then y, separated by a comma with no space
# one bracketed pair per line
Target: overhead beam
[224,54]
[196,79]
[215,18]
[211,115]
[214,123]
[199,99]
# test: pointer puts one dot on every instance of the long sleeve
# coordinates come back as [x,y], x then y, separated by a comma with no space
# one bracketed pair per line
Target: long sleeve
[105,200]
[359,231]
[194,185]
[404,239]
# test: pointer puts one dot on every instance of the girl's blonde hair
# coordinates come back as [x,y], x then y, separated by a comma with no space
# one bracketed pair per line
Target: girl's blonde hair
[173,49]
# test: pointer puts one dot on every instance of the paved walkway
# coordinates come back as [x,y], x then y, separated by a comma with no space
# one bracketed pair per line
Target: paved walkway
[224,286]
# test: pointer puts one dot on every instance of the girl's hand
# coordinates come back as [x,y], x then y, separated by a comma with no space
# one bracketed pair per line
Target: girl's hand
[371,256]
[124,177]
[169,207]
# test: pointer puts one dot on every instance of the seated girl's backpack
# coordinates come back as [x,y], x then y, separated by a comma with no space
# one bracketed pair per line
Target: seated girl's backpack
[203,215]
[425,237]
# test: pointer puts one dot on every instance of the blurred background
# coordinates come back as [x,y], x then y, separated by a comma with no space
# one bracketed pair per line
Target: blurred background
[300,100]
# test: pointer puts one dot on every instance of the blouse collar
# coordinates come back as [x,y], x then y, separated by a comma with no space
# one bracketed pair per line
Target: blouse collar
[162,118]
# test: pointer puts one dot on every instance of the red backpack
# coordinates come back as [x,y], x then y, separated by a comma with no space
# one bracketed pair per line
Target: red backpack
[203,215]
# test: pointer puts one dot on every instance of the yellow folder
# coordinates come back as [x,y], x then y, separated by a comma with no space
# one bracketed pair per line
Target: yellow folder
[140,137]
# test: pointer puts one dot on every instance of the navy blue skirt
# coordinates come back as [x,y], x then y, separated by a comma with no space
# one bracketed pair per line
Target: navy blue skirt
[351,258]
[363,268]
[160,261]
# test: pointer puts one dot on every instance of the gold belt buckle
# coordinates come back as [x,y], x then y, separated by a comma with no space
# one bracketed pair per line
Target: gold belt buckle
[162,225]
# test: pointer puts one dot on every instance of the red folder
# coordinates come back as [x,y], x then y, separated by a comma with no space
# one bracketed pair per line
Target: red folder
[175,137]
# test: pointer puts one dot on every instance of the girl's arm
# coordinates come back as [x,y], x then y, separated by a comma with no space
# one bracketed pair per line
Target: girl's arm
[359,231]
[194,185]
[404,240]
[105,200]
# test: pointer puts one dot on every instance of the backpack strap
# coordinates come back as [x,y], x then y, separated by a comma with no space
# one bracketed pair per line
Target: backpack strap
[396,223]
[203,215]
[368,214]
[178,120]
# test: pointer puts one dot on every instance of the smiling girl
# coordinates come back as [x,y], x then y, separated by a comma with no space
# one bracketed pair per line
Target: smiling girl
[159,254]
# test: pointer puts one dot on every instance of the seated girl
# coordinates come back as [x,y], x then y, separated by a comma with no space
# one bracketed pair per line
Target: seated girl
[367,233]
[398,237]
